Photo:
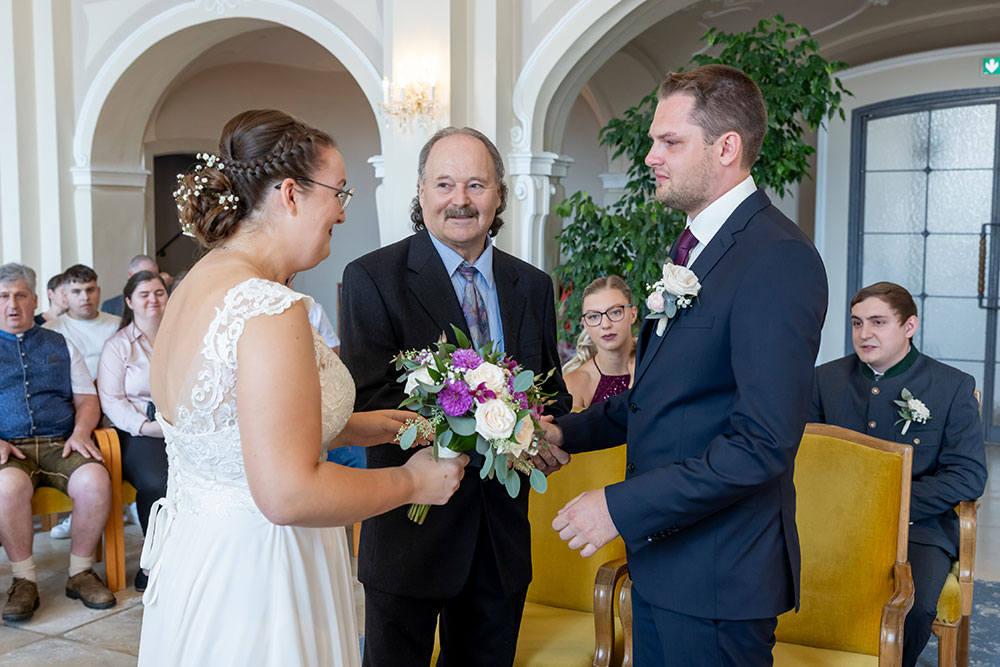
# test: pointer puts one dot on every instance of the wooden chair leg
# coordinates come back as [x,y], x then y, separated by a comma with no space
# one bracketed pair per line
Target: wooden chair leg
[947,636]
[963,642]
[356,537]
[625,613]
[48,521]
[114,529]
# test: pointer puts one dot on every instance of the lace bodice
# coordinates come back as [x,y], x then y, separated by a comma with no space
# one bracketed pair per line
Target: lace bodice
[206,472]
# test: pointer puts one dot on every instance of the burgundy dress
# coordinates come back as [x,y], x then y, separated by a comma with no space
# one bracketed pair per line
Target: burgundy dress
[609,385]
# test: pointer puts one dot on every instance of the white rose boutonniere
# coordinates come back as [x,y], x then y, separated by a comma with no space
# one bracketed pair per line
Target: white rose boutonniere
[911,410]
[678,288]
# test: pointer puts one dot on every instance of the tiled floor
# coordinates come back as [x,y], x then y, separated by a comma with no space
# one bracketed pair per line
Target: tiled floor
[64,633]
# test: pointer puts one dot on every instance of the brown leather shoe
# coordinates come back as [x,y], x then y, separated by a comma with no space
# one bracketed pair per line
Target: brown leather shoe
[90,590]
[22,600]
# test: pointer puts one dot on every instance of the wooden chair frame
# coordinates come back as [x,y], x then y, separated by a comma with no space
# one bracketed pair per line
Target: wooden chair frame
[607,579]
[899,603]
[47,501]
[953,638]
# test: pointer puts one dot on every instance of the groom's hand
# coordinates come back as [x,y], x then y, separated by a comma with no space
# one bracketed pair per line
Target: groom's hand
[586,522]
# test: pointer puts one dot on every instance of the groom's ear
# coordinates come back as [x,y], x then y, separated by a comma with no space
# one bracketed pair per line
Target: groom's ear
[730,147]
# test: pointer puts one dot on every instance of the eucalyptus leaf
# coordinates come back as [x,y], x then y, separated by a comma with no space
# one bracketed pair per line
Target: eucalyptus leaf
[482,445]
[462,425]
[444,439]
[513,483]
[539,482]
[409,436]
[487,464]
[523,380]
[670,307]
[501,469]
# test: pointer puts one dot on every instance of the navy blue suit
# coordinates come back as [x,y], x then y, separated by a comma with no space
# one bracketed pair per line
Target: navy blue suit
[713,422]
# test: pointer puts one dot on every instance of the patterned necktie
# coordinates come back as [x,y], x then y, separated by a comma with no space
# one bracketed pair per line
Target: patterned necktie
[685,246]
[473,307]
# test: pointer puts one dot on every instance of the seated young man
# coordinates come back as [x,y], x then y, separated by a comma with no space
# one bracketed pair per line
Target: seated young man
[83,324]
[48,409]
[949,458]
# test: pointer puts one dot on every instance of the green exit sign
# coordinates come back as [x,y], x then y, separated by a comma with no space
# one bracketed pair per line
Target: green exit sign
[991,66]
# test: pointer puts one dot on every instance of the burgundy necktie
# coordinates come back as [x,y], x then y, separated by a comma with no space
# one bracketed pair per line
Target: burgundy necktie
[685,246]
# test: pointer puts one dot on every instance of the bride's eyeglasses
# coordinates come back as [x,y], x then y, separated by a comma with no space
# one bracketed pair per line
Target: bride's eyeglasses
[343,195]
[593,318]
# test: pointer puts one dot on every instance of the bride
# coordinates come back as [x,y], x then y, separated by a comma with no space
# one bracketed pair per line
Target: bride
[247,555]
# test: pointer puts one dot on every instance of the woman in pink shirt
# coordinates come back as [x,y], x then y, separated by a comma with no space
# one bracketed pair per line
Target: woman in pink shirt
[123,385]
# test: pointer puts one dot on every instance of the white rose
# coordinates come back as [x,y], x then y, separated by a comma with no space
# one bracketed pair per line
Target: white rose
[494,420]
[524,436]
[655,302]
[920,411]
[489,374]
[678,280]
[421,375]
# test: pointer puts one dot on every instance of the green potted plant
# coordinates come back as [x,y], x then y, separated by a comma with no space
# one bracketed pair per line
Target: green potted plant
[631,237]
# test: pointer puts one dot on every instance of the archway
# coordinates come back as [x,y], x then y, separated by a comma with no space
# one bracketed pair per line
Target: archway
[110,177]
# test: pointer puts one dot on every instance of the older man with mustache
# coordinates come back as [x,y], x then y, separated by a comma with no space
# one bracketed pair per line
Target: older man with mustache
[470,562]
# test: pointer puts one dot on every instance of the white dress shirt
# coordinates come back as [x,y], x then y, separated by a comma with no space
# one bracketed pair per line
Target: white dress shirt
[707,224]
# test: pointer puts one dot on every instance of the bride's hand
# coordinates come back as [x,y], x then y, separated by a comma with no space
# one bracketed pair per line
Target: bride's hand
[434,482]
[365,429]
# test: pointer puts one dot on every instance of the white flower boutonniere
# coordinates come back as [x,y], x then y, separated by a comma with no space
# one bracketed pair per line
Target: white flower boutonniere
[678,288]
[911,410]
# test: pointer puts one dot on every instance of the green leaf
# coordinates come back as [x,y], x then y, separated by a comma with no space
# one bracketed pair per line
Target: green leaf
[539,482]
[460,337]
[462,425]
[523,380]
[501,469]
[513,483]
[907,396]
[409,436]
[487,464]
[482,445]
[444,439]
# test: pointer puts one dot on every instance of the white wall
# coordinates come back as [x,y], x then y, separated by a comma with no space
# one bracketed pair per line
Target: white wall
[195,110]
[933,71]
[589,158]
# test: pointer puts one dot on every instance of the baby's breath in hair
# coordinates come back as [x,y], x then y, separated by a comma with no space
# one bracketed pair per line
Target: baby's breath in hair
[198,188]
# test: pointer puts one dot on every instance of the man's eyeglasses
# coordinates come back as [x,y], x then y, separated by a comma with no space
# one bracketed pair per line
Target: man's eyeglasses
[343,195]
[592,318]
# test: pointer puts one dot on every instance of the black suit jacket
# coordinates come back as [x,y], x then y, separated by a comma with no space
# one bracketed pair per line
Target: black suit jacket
[400,297]
[713,422]
[949,458]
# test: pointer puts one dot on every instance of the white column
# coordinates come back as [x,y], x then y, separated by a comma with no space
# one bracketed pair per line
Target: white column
[614,187]
[10,178]
[536,178]
[417,43]
[48,163]
[119,195]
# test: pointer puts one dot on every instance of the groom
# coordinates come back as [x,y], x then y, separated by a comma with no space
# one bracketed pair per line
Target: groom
[470,562]
[719,401]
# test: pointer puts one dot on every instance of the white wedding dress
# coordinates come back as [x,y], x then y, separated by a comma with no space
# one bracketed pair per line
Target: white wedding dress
[227,586]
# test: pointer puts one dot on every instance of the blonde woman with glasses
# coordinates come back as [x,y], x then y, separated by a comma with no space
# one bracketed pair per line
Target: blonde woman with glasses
[605,355]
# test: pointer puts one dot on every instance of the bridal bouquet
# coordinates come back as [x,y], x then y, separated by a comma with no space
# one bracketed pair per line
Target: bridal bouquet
[474,399]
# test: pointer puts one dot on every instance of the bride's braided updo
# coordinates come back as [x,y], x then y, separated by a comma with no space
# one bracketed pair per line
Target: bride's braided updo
[258,149]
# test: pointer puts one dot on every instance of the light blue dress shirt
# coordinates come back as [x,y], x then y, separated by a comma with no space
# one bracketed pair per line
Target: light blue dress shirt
[484,281]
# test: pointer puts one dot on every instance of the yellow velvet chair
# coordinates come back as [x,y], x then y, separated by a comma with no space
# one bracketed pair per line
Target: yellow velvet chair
[569,617]
[46,501]
[852,512]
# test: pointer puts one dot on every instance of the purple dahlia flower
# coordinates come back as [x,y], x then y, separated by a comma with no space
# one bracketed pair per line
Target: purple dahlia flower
[454,398]
[466,359]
